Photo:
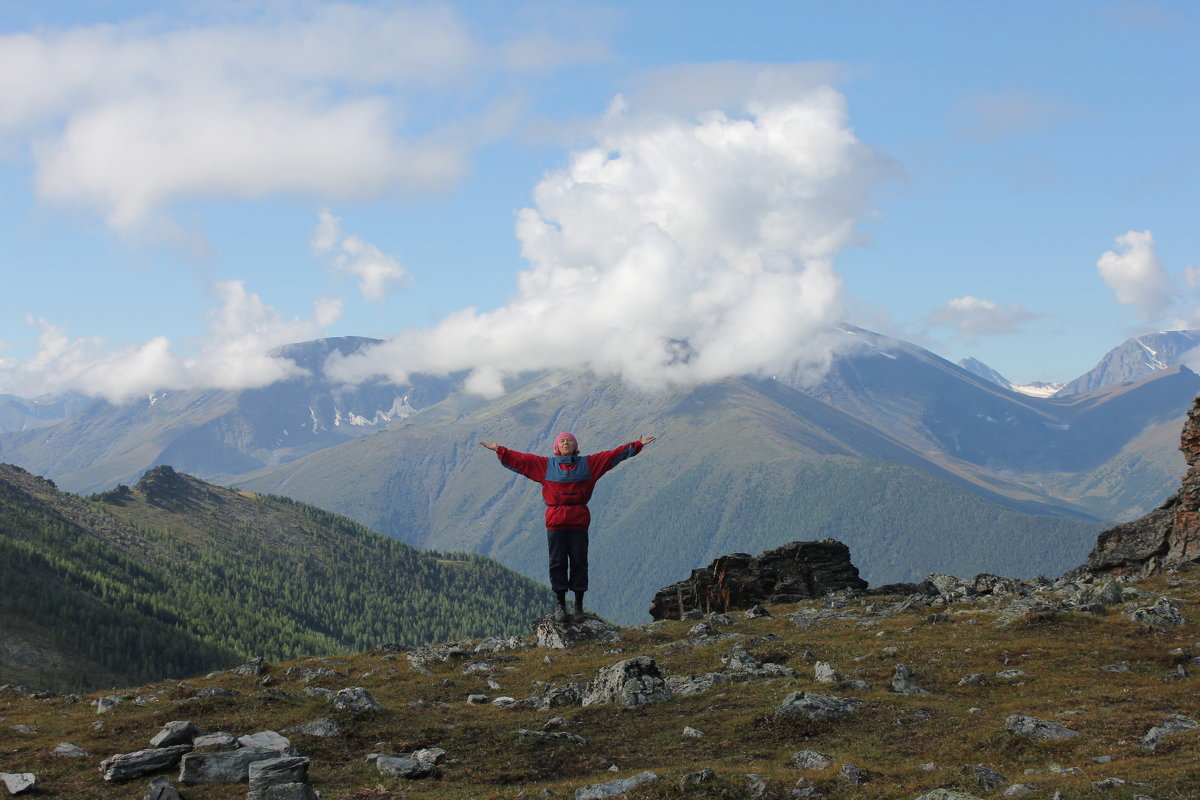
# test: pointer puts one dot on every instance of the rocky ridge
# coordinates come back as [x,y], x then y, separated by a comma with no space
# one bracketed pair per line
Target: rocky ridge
[896,696]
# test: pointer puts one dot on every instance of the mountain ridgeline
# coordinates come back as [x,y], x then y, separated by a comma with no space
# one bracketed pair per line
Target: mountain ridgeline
[174,576]
[916,463]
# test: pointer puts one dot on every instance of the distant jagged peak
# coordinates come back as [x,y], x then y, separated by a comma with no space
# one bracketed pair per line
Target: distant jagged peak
[1137,358]
[978,368]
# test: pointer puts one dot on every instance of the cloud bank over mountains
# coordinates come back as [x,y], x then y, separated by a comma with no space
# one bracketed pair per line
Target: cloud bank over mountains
[676,247]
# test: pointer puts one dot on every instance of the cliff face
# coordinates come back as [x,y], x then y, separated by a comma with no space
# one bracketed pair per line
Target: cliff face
[1166,537]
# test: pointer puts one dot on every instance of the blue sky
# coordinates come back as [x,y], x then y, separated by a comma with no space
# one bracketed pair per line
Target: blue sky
[496,188]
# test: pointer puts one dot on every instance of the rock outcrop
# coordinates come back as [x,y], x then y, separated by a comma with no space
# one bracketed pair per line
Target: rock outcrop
[788,574]
[1164,538]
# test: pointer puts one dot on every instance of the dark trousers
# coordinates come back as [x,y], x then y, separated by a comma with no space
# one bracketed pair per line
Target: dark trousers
[568,560]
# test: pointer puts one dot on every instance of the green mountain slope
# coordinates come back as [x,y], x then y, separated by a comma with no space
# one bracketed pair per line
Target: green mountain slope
[742,465]
[175,576]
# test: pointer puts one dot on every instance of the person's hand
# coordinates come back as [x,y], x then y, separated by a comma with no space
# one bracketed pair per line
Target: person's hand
[489,445]
[644,440]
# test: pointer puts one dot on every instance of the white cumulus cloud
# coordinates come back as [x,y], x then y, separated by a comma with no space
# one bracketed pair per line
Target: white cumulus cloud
[1136,276]
[676,247]
[376,271]
[234,353]
[324,100]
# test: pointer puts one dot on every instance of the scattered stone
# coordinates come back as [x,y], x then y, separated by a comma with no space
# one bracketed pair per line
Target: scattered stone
[1107,783]
[477,699]
[106,704]
[213,741]
[855,776]
[1175,723]
[1162,614]
[701,631]
[215,691]
[555,737]
[317,691]
[268,740]
[255,666]
[323,728]
[549,695]
[231,766]
[685,686]
[19,782]
[757,612]
[692,733]
[629,683]
[1019,790]
[1011,674]
[263,775]
[947,794]
[824,673]
[971,680]
[127,766]
[177,732]
[555,635]
[901,683]
[986,779]
[406,767]
[430,755]
[811,759]
[1037,729]
[68,750]
[356,700]
[818,707]
[505,701]
[598,791]
[161,788]
[694,779]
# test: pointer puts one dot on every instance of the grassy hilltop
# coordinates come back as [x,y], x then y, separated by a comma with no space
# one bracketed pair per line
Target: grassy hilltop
[1099,673]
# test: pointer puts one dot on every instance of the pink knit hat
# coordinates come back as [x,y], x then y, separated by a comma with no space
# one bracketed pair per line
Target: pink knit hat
[564,435]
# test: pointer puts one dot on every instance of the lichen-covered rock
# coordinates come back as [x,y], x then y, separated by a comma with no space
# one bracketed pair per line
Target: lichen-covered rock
[818,707]
[405,767]
[1036,729]
[177,732]
[629,683]
[1162,614]
[556,635]
[788,574]
[811,759]
[356,700]
[127,766]
[1175,723]
[598,791]
[18,782]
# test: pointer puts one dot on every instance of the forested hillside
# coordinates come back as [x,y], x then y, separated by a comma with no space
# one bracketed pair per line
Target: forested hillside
[175,576]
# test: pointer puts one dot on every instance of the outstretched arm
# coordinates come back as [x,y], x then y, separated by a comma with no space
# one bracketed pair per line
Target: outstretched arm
[489,445]
[645,440]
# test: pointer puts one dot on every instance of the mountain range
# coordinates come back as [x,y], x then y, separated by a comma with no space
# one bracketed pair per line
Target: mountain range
[918,464]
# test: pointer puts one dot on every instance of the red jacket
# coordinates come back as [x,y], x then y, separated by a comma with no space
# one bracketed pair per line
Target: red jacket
[567,481]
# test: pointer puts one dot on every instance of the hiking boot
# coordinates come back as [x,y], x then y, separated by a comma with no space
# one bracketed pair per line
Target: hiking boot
[560,615]
[579,616]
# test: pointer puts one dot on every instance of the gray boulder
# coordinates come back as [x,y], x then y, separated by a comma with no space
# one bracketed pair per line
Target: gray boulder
[211,742]
[1176,723]
[231,766]
[548,695]
[552,737]
[268,740]
[127,766]
[1037,729]
[19,782]
[174,733]
[598,791]
[68,750]
[1162,614]
[947,794]
[161,788]
[405,767]
[323,728]
[356,700]
[901,683]
[556,635]
[987,779]
[818,707]
[811,759]
[276,772]
[629,683]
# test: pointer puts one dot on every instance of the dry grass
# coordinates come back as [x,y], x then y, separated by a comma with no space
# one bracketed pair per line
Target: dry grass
[953,728]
